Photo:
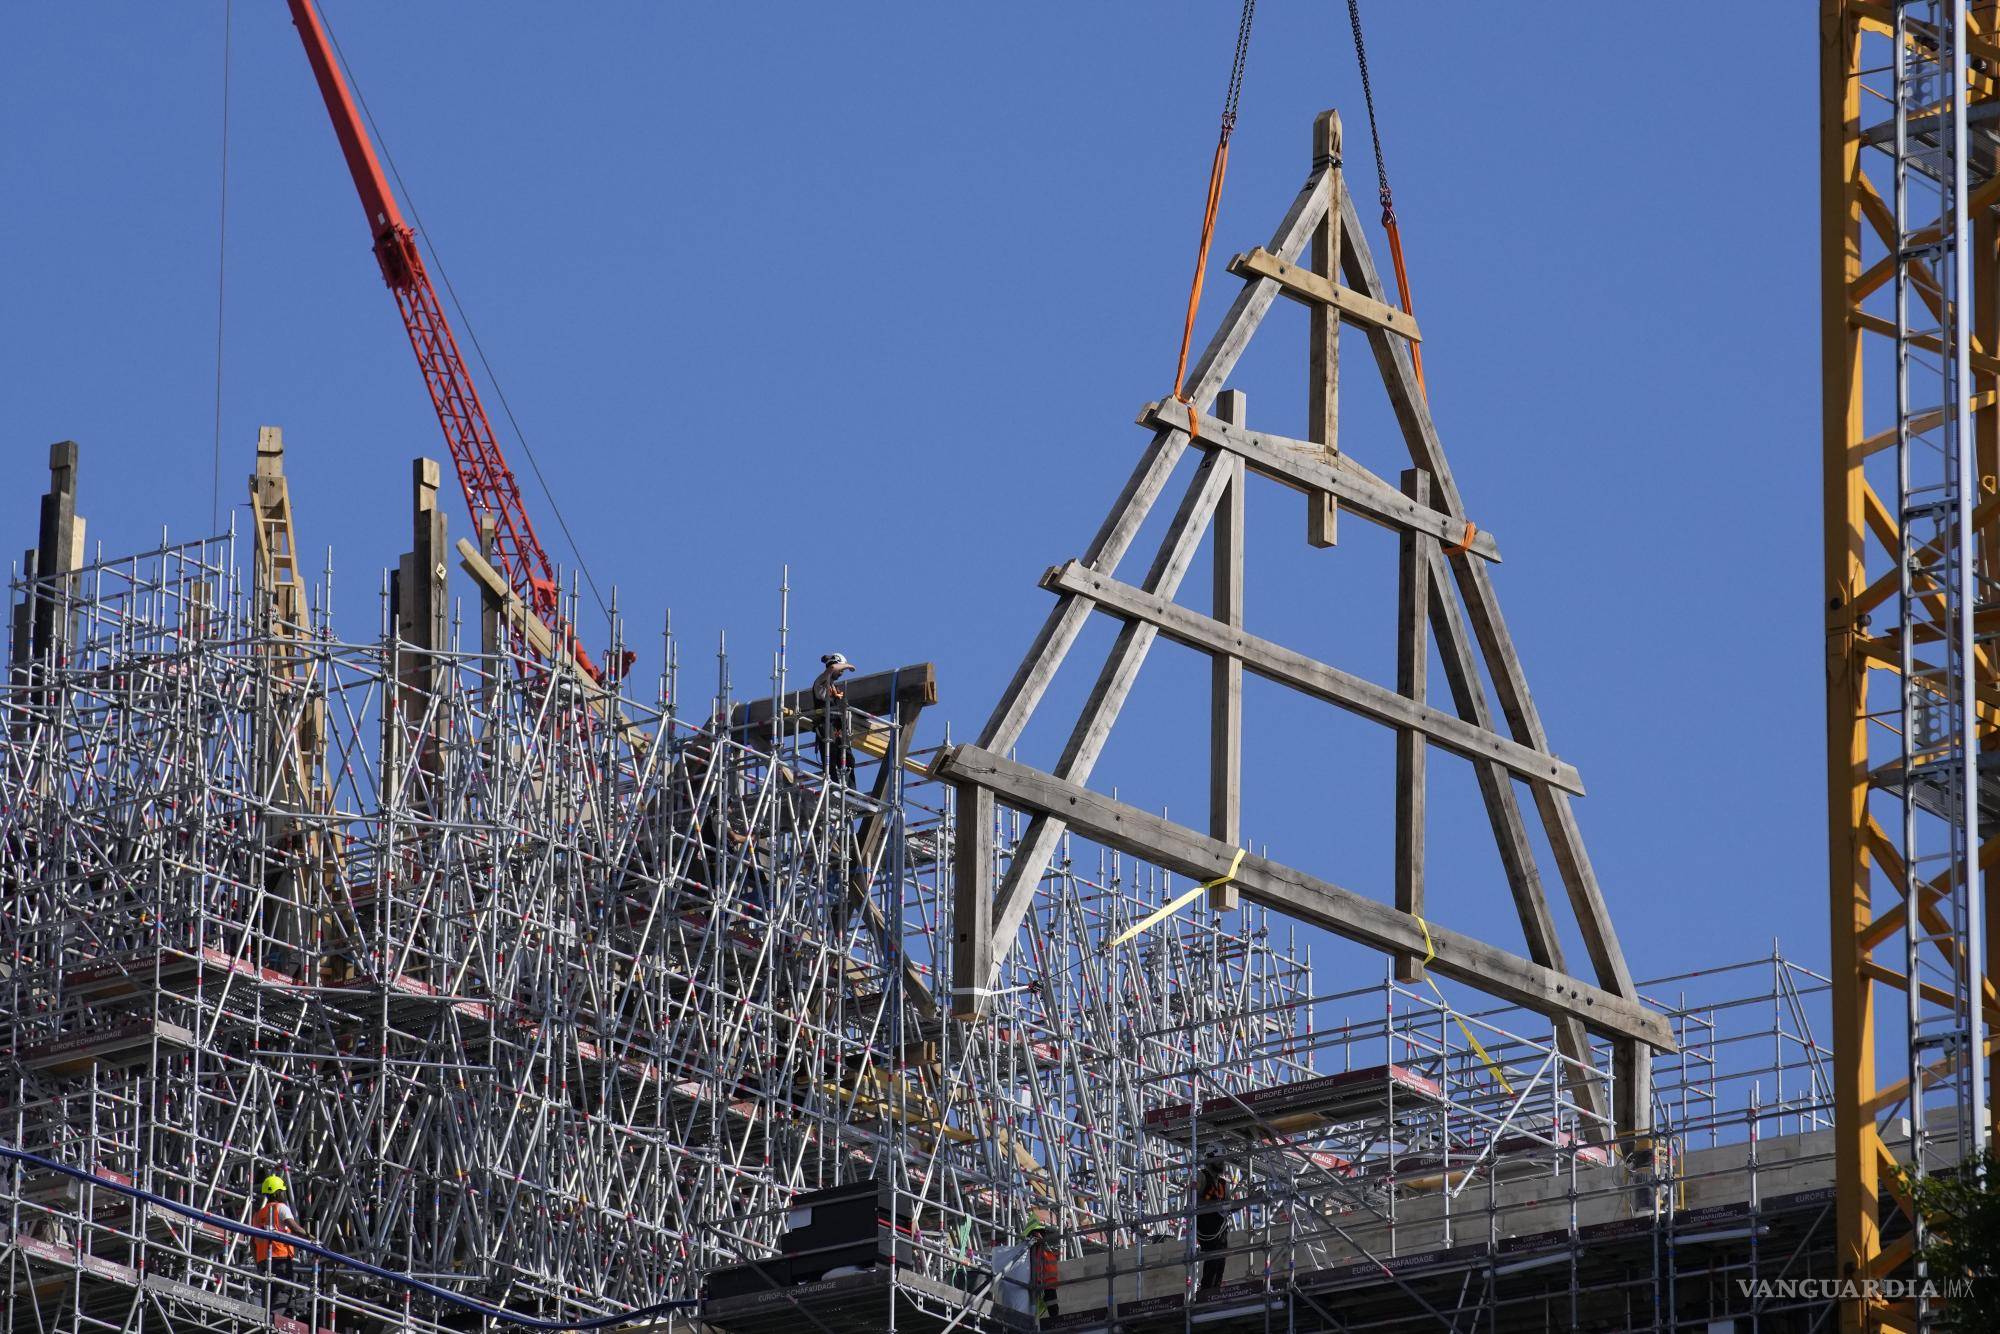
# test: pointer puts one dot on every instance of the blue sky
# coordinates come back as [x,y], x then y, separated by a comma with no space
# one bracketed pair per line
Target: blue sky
[876,291]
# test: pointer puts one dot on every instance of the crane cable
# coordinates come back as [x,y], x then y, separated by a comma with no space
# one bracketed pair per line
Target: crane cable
[221,271]
[1382,183]
[1217,169]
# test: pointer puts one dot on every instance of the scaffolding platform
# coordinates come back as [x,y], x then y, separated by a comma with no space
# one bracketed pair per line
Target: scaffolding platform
[1511,1278]
[136,975]
[1371,1093]
[127,1044]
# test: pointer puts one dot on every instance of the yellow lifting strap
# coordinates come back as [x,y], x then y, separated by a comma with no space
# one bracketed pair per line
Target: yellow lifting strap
[1492,1066]
[1168,909]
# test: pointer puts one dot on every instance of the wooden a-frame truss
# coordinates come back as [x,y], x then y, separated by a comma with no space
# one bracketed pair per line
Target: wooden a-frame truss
[1445,591]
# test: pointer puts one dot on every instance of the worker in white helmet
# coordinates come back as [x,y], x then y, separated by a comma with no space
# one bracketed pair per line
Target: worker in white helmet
[830,716]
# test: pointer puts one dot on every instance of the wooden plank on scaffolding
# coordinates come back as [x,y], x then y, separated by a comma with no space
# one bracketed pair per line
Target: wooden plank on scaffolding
[878,693]
[1291,891]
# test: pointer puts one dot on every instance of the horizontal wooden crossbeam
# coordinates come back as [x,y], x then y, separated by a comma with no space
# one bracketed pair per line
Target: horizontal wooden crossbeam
[1305,286]
[1154,839]
[1304,466]
[1275,662]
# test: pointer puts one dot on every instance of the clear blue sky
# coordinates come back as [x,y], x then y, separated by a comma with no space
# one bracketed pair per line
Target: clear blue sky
[876,291]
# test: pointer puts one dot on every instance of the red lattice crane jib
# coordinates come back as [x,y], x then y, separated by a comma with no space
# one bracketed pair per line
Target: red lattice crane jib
[489,485]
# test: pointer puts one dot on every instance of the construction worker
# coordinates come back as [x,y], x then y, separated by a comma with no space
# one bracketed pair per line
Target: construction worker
[1212,1207]
[830,716]
[276,1258]
[1044,1269]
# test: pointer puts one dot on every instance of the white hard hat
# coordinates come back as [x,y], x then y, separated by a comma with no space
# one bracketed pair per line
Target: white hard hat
[836,662]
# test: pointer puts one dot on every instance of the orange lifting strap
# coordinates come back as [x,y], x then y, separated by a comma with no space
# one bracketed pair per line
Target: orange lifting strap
[1215,174]
[1403,286]
[1216,171]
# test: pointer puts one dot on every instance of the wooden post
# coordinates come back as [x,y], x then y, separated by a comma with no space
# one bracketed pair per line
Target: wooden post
[1413,654]
[422,590]
[1225,730]
[59,553]
[1323,356]
[431,612]
[491,609]
[972,886]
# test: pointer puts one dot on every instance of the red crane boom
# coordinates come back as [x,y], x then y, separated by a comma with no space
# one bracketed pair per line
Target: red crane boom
[489,485]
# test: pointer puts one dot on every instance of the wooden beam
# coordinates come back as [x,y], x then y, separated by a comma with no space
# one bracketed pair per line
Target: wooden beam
[1322,293]
[1413,660]
[520,616]
[1503,663]
[1293,892]
[1114,536]
[1107,697]
[878,693]
[1305,467]
[1275,662]
[1510,682]
[1501,798]
[1323,337]
[1225,727]
[58,555]
[1211,370]
[972,959]
[423,611]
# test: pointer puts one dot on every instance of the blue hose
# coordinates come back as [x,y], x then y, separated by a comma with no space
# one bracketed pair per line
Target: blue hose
[361,1266]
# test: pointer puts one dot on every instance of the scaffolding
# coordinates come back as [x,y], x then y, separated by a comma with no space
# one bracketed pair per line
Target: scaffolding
[562,1006]
[554,1000]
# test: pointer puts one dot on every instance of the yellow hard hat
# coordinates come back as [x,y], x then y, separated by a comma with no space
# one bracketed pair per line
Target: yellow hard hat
[272,1185]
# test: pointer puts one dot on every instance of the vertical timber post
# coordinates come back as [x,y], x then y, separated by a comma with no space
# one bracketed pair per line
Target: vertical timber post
[422,607]
[1323,357]
[1225,728]
[972,901]
[59,554]
[1413,655]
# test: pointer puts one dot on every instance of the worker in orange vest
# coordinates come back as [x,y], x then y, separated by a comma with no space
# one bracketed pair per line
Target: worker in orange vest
[1044,1269]
[276,1258]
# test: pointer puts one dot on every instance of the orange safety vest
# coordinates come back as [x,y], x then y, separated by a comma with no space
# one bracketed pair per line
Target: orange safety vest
[270,1219]
[1043,1267]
